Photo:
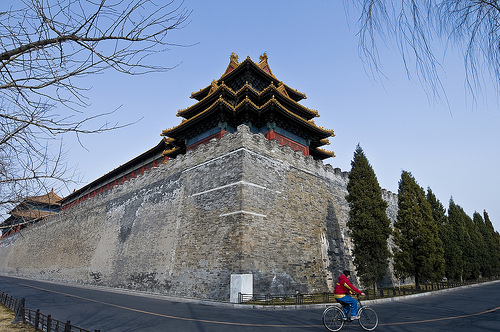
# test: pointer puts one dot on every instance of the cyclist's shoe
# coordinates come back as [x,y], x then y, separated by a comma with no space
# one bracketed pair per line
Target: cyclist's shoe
[354,317]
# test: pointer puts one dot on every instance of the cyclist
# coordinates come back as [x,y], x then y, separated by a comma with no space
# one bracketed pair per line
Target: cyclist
[343,288]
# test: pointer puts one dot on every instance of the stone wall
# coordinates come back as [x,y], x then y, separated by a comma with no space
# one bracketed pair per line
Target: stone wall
[241,204]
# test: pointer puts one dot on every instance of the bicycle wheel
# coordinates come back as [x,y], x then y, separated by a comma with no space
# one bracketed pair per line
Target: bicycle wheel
[333,318]
[368,318]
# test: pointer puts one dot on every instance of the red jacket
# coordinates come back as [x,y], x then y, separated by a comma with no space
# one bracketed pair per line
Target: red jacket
[344,287]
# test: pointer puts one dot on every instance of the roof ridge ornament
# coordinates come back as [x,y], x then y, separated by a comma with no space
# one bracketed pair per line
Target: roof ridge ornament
[213,87]
[264,65]
[233,58]
[233,63]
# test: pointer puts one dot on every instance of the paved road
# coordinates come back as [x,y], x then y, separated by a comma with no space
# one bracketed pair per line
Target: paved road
[467,309]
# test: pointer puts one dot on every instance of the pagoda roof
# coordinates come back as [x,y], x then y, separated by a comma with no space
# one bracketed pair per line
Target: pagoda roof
[262,68]
[248,92]
[243,105]
[49,198]
[278,91]
[27,209]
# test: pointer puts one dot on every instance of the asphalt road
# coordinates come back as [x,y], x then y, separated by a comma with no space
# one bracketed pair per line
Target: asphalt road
[474,308]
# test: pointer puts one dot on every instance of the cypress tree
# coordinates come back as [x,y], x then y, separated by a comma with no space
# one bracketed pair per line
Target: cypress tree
[485,254]
[441,220]
[369,226]
[464,235]
[438,209]
[419,250]
[477,248]
[453,254]
[493,239]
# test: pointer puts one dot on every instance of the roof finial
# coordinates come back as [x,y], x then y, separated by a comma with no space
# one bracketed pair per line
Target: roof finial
[233,57]
[263,57]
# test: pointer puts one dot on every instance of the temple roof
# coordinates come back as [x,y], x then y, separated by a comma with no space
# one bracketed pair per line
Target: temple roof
[33,208]
[244,104]
[248,92]
[279,91]
[49,198]
[234,69]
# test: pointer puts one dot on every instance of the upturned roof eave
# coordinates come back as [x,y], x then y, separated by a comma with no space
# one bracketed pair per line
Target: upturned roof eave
[323,154]
[202,93]
[324,133]
[271,89]
[172,132]
[308,113]
[209,99]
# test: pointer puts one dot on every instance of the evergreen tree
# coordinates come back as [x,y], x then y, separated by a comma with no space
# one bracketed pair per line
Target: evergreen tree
[477,247]
[485,254]
[419,250]
[368,223]
[438,209]
[461,224]
[493,239]
[451,235]
[441,220]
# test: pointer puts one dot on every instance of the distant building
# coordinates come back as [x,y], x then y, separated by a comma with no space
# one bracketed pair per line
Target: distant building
[31,210]
[137,166]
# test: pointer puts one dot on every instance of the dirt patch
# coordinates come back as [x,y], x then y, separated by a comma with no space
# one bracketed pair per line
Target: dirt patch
[6,317]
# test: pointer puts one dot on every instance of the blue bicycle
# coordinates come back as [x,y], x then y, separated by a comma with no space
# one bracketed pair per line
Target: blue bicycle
[334,317]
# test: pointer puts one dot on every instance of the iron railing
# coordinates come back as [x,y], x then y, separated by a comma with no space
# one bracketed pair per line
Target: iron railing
[298,298]
[36,319]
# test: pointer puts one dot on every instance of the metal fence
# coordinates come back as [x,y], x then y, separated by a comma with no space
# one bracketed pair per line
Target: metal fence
[285,299]
[297,299]
[33,318]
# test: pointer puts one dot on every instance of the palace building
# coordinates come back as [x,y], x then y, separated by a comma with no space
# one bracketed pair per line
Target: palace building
[247,93]
[29,211]
[238,190]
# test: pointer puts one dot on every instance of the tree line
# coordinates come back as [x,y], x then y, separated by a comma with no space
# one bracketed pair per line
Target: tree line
[426,242]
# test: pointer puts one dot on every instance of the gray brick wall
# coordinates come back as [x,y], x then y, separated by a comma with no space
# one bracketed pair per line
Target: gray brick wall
[242,204]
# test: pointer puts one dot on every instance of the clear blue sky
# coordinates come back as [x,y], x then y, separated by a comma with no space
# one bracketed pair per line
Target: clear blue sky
[311,47]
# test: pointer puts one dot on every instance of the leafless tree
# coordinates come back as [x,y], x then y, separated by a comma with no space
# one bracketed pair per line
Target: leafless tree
[45,47]
[418,26]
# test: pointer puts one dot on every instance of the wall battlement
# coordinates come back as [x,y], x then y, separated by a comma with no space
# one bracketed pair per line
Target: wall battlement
[241,204]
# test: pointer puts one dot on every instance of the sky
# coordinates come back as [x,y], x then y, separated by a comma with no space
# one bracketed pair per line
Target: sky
[450,146]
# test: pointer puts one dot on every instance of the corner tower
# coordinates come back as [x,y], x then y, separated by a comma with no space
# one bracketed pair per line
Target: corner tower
[248,93]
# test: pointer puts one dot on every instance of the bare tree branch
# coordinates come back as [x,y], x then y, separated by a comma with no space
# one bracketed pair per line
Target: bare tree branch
[45,46]
[416,25]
